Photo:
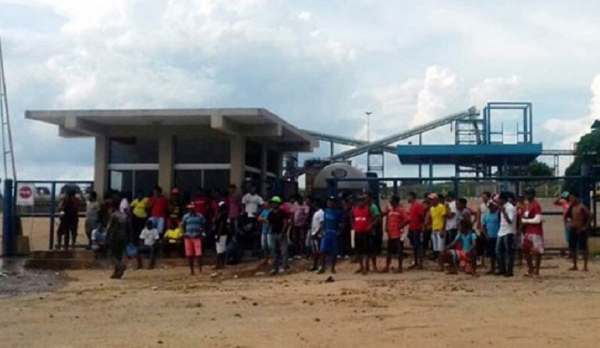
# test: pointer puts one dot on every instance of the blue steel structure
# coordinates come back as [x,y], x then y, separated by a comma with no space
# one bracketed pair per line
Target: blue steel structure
[479,146]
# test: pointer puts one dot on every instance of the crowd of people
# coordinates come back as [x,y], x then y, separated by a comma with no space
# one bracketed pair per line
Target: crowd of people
[504,228]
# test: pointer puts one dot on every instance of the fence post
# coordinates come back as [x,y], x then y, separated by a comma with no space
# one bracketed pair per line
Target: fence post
[8,245]
[52,212]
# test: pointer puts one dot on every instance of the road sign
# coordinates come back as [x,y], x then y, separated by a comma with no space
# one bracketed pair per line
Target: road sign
[25,194]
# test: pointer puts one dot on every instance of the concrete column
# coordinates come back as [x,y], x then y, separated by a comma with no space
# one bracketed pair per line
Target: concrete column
[237,171]
[279,172]
[263,170]
[165,162]
[101,165]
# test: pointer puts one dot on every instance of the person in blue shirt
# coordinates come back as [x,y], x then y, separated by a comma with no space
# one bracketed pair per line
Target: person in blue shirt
[193,226]
[463,248]
[491,225]
[332,221]
[267,239]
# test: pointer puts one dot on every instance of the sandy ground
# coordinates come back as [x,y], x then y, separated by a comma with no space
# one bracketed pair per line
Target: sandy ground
[168,308]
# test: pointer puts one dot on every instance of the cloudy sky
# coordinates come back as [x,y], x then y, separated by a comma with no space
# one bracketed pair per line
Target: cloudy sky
[319,64]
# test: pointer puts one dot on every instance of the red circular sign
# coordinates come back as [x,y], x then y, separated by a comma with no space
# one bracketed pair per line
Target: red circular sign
[25,192]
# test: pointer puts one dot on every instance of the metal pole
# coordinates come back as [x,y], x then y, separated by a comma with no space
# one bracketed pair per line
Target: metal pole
[6,120]
[368,113]
[7,230]
[52,212]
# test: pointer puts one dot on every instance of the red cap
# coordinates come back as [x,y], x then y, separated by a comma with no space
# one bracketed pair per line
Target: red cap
[175,190]
[191,206]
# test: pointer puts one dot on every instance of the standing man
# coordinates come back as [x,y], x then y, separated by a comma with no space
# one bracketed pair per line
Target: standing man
[362,226]
[505,250]
[332,221]
[267,240]
[533,243]
[451,218]
[564,203]
[69,220]
[396,221]
[482,209]
[251,203]
[159,209]
[116,236]
[490,229]
[437,221]
[278,221]
[192,226]
[416,219]
[92,215]
[300,215]
[580,219]
[234,202]
[376,235]
[316,233]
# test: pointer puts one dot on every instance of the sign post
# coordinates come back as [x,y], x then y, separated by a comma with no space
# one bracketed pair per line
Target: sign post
[25,195]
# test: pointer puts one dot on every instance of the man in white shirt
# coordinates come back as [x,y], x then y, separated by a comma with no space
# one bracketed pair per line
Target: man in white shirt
[505,249]
[316,232]
[451,218]
[252,203]
[150,237]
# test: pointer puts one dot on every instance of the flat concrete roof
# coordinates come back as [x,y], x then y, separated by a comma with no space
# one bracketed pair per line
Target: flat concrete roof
[249,122]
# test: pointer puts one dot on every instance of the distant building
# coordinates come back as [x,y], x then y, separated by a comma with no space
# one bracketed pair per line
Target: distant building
[184,148]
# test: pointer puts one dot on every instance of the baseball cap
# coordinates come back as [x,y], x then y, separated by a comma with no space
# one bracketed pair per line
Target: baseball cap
[432,196]
[565,194]
[191,206]
[275,199]
[175,190]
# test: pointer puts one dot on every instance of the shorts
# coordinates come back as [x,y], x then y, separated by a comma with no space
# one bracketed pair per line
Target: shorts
[395,246]
[490,247]
[437,240]
[361,243]
[415,239]
[267,242]
[193,247]
[533,243]
[578,241]
[329,244]
[221,244]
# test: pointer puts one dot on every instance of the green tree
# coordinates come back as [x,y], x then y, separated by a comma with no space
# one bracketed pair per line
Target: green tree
[537,168]
[587,150]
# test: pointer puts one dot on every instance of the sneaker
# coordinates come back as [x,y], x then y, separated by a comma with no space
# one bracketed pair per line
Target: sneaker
[312,269]
[273,272]
[321,270]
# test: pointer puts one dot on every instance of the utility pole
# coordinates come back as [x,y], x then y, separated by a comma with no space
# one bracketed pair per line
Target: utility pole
[7,143]
[368,113]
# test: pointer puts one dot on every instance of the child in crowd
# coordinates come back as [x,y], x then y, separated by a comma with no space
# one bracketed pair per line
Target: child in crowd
[463,248]
[173,239]
[98,240]
[149,237]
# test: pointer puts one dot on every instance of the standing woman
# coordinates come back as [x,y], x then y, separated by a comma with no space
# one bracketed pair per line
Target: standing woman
[139,213]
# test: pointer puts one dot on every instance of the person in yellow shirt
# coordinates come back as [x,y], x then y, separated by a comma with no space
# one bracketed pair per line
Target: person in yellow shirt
[139,210]
[173,239]
[437,221]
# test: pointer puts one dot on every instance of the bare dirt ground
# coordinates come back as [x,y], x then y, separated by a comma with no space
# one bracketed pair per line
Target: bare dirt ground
[169,308]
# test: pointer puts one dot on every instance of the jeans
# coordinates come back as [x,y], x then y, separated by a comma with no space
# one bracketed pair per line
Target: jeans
[505,253]
[159,224]
[280,252]
[149,250]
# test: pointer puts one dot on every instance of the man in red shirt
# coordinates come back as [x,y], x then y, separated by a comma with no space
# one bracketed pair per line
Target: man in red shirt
[396,221]
[416,219]
[362,225]
[159,209]
[533,243]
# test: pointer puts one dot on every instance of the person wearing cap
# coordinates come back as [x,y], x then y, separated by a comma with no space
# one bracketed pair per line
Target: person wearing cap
[490,226]
[580,218]
[533,243]
[437,221]
[193,226]
[505,249]
[332,220]
[563,202]
[222,232]
[278,222]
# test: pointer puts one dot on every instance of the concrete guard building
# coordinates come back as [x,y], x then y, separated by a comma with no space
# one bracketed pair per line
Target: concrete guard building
[184,148]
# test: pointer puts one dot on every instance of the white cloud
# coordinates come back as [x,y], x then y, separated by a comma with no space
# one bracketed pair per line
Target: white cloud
[571,129]
[496,89]
[305,15]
